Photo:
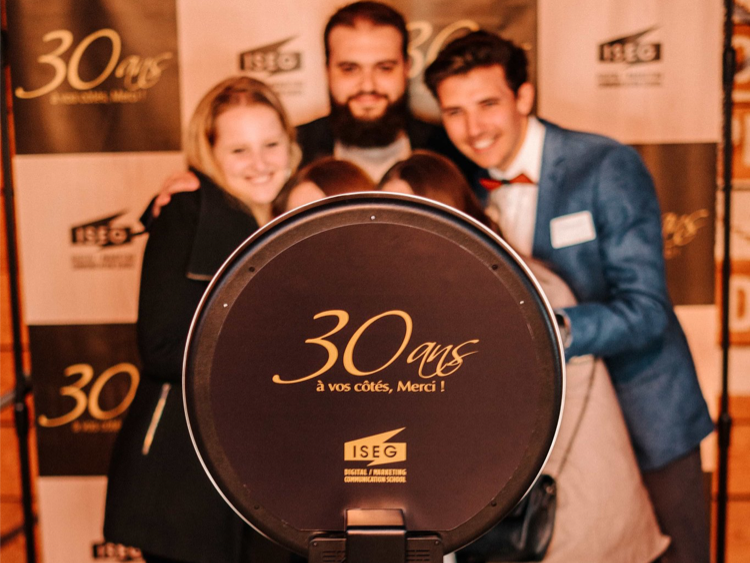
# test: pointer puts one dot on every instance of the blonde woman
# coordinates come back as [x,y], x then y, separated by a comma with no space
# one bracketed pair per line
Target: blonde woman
[242,147]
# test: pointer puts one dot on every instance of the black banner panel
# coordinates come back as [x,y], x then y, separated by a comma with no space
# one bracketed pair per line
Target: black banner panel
[81,393]
[94,76]
[685,179]
[373,352]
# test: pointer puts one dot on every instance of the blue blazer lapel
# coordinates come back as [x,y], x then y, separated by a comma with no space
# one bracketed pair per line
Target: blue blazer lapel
[553,165]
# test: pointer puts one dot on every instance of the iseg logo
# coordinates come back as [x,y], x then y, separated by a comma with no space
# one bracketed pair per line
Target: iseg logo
[631,49]
[271,59]
[101,233]
[376,449]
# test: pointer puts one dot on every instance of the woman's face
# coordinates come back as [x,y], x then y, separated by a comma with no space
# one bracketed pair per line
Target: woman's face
[252,151]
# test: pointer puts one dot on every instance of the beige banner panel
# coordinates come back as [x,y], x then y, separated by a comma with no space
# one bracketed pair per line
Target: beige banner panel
[642,71]
[78,223]
[279,42]
[69,539]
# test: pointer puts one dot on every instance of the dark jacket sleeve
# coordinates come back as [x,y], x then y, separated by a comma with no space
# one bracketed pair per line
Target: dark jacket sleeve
[168,298]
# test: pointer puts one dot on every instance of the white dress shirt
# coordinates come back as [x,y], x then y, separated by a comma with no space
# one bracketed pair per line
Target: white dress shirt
[513,206]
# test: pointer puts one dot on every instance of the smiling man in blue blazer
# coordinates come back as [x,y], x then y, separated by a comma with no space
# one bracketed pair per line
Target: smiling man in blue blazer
[586,206]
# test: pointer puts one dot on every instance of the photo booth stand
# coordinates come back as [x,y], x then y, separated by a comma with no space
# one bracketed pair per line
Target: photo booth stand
[373,378]
[375,536]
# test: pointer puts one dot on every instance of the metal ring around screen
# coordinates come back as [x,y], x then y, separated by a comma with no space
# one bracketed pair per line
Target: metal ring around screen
[373,351]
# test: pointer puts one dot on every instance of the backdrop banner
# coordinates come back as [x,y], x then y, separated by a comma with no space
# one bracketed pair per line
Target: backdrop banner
[101,94]
[642,71]
[281,42]
[94,76]
[80,393]
[685,179]
[96,106]
[102,91]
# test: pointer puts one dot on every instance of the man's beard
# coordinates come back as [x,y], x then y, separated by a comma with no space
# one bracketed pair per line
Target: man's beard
[369,133]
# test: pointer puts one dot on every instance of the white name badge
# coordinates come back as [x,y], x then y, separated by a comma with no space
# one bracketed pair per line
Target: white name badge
[572,229]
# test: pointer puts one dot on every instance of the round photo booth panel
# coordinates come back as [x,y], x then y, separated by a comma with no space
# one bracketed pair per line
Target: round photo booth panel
[373,351]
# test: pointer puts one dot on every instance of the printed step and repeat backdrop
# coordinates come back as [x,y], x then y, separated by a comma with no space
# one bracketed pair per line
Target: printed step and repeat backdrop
[102,91]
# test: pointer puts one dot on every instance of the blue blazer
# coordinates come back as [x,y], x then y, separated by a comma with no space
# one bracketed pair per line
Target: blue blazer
[624,314]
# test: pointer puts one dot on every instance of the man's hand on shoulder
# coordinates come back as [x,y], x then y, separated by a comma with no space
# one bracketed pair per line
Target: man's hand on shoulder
[180,182]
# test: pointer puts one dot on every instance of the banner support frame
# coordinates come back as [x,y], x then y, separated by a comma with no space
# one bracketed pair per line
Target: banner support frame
[725,420]
[20,407]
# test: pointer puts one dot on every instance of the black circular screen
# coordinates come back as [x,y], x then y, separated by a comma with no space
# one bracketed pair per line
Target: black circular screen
[373,351]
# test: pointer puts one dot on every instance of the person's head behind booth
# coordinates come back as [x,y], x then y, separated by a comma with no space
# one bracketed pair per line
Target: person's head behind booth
[433,176]
[242,139]
[367,66]
[481,83]
[322,178]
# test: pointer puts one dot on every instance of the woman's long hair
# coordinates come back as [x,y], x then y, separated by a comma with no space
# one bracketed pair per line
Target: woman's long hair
[331,175]
[433,176]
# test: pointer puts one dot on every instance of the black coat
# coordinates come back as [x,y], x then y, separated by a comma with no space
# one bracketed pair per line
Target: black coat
[161,501]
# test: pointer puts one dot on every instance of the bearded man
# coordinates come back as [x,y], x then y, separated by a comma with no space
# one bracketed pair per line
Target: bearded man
[367,66]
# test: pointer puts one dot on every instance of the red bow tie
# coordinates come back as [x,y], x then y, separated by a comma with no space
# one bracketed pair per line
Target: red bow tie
[492,184]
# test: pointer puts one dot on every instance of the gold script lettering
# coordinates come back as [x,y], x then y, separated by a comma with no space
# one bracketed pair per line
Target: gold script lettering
[138,73]
[680,230]
[449,358]
[429,351]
